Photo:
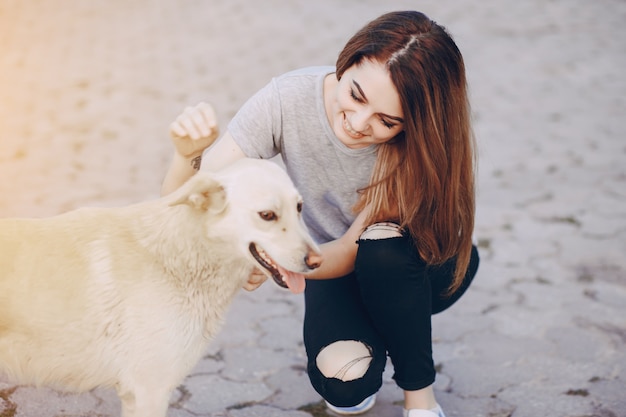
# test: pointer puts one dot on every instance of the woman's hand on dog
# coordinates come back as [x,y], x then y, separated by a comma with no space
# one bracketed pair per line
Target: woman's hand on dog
[257,277]
[194,130]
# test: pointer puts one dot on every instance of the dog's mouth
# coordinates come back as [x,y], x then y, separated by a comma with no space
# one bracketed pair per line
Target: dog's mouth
[268,263]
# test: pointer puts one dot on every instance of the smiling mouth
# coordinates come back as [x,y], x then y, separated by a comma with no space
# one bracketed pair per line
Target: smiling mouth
[348,128]
[267,263]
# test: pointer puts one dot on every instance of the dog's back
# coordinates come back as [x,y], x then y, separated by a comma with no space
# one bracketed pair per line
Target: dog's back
[75,290]
[88,295]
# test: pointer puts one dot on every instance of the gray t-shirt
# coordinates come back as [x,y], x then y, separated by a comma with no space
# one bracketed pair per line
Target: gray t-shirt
[288,117]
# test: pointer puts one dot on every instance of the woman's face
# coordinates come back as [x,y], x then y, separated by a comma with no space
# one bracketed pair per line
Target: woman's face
[363,108]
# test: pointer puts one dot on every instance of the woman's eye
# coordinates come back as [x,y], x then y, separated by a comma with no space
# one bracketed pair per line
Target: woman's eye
[387,124]
[268,216]
[355,97]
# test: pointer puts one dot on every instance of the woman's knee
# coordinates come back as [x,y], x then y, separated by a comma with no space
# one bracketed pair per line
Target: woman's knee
[383,230]
[346,372]
[387,251]
[381,245]
[346,360]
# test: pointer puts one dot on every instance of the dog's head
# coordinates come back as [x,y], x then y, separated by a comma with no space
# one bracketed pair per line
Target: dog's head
[254,205]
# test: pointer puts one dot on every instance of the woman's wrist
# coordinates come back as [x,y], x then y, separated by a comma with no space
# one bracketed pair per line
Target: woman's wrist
[180,170]
[195,162]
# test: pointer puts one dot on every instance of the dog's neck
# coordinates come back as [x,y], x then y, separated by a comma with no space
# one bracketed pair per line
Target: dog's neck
[195,265]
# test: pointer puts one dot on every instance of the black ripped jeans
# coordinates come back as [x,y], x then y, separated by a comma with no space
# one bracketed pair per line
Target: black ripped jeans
[386,303]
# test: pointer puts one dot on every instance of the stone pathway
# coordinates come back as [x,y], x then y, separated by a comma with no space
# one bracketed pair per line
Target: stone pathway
[88,89]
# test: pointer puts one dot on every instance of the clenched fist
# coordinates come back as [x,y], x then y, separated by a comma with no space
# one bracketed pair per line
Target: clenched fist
[194,130]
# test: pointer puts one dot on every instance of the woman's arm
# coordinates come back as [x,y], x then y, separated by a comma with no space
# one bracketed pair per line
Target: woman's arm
[192,132]
[180,170]
[339,255]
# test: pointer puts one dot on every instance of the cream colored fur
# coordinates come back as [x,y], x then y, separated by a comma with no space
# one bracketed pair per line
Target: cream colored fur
[129,297]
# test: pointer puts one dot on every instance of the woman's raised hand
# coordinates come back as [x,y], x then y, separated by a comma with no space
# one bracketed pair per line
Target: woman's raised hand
[194,130]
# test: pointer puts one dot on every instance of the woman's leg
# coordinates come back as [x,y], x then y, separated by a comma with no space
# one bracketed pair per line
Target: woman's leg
[441,276]
[346,357]
[397,294]
[396,287]
[401,293]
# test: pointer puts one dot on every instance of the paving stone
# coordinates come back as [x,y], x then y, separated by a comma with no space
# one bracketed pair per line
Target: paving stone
[265,411]
[47,402]
[208,393]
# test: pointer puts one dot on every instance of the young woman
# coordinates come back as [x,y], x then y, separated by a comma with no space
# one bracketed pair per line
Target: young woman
[381,148]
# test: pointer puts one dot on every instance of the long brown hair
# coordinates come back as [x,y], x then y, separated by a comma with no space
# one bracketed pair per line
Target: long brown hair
[424,177]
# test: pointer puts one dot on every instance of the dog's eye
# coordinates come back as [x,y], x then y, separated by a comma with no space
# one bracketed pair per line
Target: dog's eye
[268,216]
[299,207]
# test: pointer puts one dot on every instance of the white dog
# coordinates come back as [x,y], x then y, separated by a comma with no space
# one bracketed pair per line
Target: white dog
[129,297]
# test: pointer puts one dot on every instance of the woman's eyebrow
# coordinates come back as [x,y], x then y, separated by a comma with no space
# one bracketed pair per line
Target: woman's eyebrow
[358,87]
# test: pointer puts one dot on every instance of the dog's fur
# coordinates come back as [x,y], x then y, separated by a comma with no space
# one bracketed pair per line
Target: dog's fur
[129,297]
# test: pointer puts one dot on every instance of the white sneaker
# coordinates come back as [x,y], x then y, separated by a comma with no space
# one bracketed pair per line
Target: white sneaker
[435,412]
[360,408]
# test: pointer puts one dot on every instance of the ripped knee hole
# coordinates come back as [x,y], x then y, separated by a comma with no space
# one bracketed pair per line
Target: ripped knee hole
[346,360]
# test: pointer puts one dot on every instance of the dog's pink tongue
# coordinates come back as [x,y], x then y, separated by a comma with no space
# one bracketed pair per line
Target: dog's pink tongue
[294,281]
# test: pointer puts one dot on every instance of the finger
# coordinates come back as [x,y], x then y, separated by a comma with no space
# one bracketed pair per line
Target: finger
[176,129]
[208,113]
[186,120]
[201,124]
[256,271]
[257,278]
[205,120]
[210,117]
[253,284]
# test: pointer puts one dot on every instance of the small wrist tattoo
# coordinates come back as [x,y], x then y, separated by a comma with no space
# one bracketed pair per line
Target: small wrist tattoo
[195,162]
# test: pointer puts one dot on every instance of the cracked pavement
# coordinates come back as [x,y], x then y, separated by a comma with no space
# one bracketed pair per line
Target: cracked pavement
[88,89]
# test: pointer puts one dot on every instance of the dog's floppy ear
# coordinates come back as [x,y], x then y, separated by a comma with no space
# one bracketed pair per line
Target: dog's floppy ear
[202,192]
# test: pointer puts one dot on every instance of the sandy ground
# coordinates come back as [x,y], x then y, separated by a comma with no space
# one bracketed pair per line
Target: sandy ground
[88,89]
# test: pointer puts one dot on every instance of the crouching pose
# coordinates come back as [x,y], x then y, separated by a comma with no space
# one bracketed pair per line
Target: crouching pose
[381,148]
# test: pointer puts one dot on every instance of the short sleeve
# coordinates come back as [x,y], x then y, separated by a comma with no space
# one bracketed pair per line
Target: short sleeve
[256,127]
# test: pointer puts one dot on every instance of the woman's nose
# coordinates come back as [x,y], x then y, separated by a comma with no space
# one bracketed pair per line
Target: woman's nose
[360,120]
